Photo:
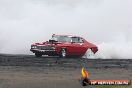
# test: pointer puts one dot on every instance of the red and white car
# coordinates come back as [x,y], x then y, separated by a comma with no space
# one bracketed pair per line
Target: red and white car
[63,46]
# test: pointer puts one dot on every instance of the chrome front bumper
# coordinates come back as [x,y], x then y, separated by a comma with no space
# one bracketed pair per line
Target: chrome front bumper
[38,50]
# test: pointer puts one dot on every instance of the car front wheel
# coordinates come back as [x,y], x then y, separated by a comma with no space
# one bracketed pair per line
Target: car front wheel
[63,53]
[38,55]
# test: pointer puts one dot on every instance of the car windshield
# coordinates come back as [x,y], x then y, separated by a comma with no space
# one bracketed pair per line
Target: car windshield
[62,38]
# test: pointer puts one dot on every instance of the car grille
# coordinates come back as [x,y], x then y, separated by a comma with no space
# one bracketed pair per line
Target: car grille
[45,47]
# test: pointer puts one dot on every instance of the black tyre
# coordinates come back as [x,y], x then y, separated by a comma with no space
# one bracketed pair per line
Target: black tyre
[63,53]
[38,54]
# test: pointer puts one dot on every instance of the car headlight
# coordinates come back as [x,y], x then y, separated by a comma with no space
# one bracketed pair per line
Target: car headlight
[33,47]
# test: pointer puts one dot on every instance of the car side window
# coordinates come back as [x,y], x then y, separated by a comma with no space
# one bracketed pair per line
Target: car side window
[77,40]
[81,40]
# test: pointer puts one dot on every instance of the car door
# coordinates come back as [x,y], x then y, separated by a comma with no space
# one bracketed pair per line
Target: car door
[77,46]
[81,46]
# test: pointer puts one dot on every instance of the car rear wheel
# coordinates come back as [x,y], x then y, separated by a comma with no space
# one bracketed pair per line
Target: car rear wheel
[38,55]
[63,53]
[89,54]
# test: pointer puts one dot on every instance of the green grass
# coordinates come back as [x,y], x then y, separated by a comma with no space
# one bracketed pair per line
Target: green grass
[115,86]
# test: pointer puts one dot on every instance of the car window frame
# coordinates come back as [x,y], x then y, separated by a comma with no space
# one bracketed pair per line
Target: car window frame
[78,39]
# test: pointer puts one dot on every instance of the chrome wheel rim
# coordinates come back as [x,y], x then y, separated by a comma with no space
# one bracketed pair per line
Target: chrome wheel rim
[63,52]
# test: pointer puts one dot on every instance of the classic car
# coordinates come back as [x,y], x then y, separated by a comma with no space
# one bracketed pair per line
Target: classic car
[63,46]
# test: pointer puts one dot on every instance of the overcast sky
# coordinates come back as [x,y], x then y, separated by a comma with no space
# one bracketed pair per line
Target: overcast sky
[23,22]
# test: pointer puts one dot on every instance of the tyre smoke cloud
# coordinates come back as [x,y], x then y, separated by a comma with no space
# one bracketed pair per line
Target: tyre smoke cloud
[107,23]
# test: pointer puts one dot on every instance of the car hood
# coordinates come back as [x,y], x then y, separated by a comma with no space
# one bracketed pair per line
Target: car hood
[48,43]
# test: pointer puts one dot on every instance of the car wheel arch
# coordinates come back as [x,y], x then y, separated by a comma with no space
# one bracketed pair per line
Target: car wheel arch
[63,51]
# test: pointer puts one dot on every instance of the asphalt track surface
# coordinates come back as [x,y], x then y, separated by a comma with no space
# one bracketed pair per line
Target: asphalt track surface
[27,71]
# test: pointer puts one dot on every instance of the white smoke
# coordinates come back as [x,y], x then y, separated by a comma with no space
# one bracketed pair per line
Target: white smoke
[115,50]
[118,48]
